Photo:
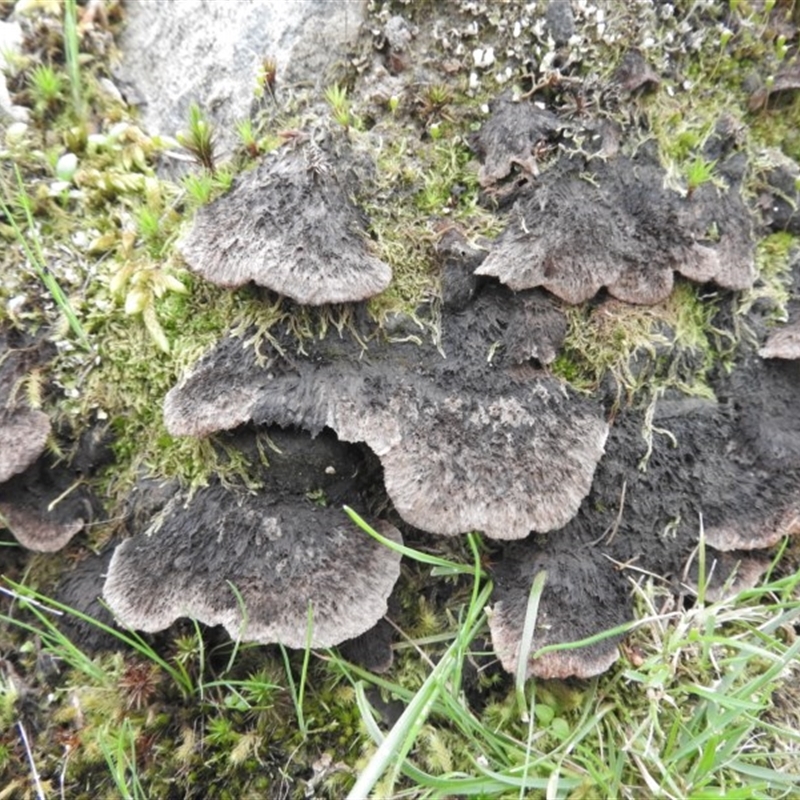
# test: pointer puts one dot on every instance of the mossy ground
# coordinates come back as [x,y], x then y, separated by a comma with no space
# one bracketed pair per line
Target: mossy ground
[118,725]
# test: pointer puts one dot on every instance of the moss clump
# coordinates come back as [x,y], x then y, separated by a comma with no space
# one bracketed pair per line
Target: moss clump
[644,350]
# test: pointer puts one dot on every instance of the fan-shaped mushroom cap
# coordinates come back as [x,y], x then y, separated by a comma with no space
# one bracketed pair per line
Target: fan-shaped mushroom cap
[504,465]
[465,445]
[23,435]
[705,467]
[589,224]
[43,507]
[254,565]
[581,597]
[39,530]
[291,226]
[509,138]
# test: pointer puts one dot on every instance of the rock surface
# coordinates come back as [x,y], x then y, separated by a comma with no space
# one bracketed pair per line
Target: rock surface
[210,53]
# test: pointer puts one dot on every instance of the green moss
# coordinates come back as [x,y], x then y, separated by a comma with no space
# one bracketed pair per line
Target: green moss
[643,349]
[773,260]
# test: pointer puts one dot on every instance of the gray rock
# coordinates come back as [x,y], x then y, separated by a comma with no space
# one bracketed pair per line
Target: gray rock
[210,52]
[10,44]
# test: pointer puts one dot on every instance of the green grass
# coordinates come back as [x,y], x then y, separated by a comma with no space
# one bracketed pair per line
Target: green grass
[690,711]
[31,245]
[71,50]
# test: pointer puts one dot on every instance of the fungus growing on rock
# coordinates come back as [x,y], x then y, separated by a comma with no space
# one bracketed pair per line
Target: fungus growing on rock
[255,565]
[587,224]
[23,435]
[291,226]
[471,441]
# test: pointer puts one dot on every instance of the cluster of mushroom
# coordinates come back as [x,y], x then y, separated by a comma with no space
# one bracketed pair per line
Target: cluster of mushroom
[503,451]
[472,435]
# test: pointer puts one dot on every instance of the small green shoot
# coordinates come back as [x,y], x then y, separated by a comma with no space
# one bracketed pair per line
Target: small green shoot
[267,77]
[199,188]
[444,567]
[47,88]
[199,139]
[45,608]
[525,646]
[119,752]
[247,137]
[298,692]
[395,746]
[433,101]
[698,172]
[337,99]
[203,187]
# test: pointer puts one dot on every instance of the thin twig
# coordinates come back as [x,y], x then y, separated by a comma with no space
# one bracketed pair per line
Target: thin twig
[17,596]
[39,789]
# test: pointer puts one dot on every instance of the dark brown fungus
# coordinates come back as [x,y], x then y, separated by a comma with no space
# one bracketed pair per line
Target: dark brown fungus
[759,531]
[767,395]
[504,465]
[581,597]
[23,430]
[515,137]
[23,435]
[634,73]
[40,502]
[469,441]
[254,565]
[38,530]
[44,506]
[536,330]
[741,571]
[81,588]
[291,226]
[779,192]
[587,224]
[530,325]
[698,467]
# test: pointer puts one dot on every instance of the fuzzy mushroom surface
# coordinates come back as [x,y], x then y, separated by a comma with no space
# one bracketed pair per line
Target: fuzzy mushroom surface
[468,441]
[23,435]
[783,342]
[510,139]
[581,597]
[254,565]
[289,225]
[707,472]
[589,223]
